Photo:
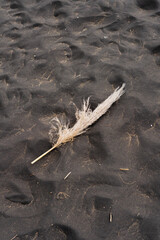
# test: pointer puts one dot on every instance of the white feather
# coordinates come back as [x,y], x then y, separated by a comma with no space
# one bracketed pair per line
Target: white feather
[85,117]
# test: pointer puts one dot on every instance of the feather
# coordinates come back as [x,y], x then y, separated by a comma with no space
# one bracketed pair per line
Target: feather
[84,118]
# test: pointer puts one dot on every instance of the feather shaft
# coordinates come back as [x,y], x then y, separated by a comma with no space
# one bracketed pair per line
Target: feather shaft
[41,156]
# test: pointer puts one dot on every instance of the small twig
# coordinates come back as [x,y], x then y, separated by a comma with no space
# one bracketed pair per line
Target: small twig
[62,195]
[14,237]
[67,176]
[110,217]
[124,169]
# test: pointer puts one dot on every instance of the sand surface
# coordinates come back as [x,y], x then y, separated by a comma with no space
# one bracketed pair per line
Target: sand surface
[54,53]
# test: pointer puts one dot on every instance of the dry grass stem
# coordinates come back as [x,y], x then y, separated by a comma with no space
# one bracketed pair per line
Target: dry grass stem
[14,237]
[67,176]
[110,217]
[85,117]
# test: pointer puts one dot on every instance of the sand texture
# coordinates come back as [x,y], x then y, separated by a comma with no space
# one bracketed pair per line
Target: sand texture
[54,53]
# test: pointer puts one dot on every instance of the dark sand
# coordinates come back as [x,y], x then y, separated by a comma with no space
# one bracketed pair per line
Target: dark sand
[53,53]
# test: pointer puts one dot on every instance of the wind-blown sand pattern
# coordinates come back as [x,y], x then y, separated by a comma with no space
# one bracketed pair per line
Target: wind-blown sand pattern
[54,53]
